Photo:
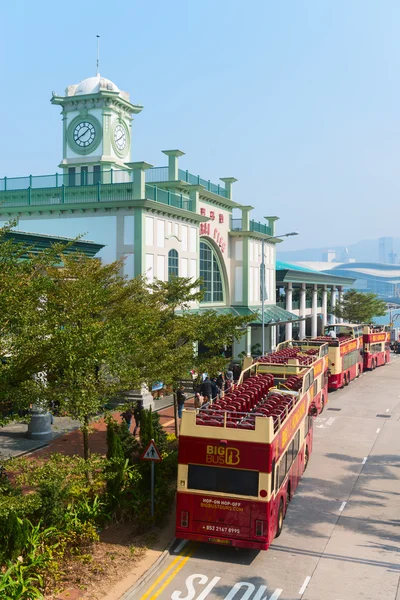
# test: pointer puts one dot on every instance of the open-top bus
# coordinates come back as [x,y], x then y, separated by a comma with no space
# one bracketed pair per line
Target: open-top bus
[376,346]
[345,353]
[299,354]
[241,457]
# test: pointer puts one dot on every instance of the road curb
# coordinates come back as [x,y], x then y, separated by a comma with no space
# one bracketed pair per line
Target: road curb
[129,595]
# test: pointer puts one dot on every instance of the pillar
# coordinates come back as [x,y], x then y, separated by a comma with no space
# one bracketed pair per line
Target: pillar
[339,299]
[173,169]
[314,311]
[139,178]
[271,223]
[333,303]
[246,217]
[228,185]
[324,307]
[289,307]
[302,330]
[248,340]
[194,195]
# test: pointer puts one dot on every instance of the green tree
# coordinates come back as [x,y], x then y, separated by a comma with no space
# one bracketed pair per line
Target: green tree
[359,307]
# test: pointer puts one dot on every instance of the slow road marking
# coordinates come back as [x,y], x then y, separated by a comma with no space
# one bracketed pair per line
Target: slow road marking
[341,509]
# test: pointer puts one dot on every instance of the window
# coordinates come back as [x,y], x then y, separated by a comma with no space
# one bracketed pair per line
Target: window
[173,264]
[350,359]
[210,274]
[273,475]
[282,469]
[96,174]
[71,176]
[84,175]
[221,479]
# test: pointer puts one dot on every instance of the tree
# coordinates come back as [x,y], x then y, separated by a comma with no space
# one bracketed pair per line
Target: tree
[360,307]
[24,342]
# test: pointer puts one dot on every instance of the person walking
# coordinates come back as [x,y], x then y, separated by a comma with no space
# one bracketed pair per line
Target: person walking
[127,416]
[206,388]
[137,414]
[215,390]
[180,397]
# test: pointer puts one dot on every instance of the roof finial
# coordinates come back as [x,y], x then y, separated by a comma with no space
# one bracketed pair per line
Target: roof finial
[98,56]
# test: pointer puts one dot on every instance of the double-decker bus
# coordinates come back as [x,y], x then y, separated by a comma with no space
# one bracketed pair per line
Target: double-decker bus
[241,458]
[345,353]
[298,354]
[376,348]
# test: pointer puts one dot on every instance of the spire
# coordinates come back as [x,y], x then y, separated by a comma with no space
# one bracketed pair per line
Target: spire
[98,56]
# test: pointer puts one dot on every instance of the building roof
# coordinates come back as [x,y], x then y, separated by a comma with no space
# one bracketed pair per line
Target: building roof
[357,270]
[273,315]
[92,85]
[39,241]
[297,273]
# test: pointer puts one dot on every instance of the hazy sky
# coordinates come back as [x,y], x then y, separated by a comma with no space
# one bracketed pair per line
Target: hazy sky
[297,99]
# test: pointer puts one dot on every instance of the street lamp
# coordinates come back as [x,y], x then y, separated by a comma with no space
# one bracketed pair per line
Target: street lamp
[263,284]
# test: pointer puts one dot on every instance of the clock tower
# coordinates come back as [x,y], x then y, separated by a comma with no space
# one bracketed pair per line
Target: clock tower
[97,118]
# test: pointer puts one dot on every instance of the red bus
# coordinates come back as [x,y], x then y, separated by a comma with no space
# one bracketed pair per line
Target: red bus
[241,458]
[304,353]
[376,343]
[345,353]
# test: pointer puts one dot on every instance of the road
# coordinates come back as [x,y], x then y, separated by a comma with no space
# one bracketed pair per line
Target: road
[341,535]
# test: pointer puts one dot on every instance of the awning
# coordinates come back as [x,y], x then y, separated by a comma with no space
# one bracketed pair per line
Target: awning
[273,315]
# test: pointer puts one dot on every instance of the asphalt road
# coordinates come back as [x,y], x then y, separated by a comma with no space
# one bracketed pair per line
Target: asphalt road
[341,535]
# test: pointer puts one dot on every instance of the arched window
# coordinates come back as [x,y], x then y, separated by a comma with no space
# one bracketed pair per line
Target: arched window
[173,264]
[210,274]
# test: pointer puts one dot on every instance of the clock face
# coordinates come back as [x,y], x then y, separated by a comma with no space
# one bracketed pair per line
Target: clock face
[84,134]
[120,137]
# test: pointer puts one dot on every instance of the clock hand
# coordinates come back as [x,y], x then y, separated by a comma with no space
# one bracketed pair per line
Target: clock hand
[82,134]
[120,138]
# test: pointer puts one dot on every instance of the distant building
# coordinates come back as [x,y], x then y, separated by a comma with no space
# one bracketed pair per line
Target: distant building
[382,279]
[386,254]
[329,256]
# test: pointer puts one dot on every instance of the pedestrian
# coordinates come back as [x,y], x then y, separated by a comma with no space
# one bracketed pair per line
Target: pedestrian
[198,400]
[127,416]
[221,381]
[214,387]
[206,387]
[137,413]
[180,397]
[229,374]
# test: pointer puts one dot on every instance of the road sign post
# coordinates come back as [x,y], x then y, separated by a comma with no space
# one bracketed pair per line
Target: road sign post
[152,454]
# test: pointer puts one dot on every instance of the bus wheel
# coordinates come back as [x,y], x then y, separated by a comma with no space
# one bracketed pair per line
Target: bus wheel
[346,379]
[322,405]
[280,520]
[306,458]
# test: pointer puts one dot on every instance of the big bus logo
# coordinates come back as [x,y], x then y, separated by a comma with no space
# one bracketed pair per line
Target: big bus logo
[219,455]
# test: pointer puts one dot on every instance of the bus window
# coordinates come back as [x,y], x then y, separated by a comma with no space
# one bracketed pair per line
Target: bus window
[221,479]
[282,469]
[315,387]
[291,455]
[273,475]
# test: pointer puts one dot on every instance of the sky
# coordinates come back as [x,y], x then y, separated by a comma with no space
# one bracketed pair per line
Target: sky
[297,99]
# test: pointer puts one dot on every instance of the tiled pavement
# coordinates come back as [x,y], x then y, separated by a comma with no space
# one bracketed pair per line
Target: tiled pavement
[13,441]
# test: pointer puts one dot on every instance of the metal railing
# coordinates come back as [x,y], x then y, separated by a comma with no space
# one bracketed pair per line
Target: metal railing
[197,180]
[81,194]
[237,225]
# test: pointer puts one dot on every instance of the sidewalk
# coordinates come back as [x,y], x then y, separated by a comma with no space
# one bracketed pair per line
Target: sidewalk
[66,435]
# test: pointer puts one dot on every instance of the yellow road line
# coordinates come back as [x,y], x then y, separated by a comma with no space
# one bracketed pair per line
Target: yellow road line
[163,574]
[174,573]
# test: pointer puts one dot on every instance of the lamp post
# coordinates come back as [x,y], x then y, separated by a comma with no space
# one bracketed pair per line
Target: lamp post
[263,284]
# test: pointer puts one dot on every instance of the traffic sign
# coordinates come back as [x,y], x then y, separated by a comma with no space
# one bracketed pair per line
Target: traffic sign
[152,453]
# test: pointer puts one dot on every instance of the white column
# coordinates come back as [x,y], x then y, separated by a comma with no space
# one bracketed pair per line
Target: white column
[340,298]
[173,170]
[120,249]
[273,337]
[302,331]
[248,340]
[139,178]
[324,307]
[314,311]
[289,307]
[333,303]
